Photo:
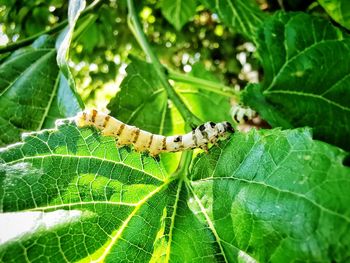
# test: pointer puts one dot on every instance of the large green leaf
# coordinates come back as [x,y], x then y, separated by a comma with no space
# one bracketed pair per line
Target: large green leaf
[275,196]
[33,93]
[178,12]
[270,195]
[306,65]
[243,16]
[107,203]
[339,10]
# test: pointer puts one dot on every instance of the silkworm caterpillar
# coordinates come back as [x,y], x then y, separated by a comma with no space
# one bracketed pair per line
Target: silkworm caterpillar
[155,144]
[241,113]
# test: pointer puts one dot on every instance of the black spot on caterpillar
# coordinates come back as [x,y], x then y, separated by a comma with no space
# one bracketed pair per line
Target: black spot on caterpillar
[155,144]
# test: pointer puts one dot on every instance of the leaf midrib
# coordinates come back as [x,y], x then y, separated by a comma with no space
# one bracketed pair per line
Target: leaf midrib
[27,69]
[297,55]
[311,95]
[172,224]
[82,157]
[121,229]
[208,220]
[82,203]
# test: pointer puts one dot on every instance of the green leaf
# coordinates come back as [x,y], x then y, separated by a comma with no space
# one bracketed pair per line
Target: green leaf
[82,192]
[33,93]
[143,101]
[270,195]
[178,12]
[197,99]
[339,10]
[243,16]
[275,196]
[306,65]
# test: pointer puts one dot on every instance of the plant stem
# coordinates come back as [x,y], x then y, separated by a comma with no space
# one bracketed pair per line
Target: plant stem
[24,42]
[140,36]
[204,84]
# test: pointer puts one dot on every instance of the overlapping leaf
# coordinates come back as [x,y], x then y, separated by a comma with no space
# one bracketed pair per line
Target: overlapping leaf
[178,12]
[339,10]
[306,65]
[143,101]
[243,16]
[33,92]
[269,196]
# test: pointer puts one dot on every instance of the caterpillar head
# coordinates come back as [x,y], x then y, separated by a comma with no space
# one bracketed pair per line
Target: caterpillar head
[224,129]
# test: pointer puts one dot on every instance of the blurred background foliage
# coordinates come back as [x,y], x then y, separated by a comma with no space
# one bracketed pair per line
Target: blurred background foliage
[100,53]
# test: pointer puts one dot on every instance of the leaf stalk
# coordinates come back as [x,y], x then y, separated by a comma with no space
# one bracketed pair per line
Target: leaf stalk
[140,36]
[204,84]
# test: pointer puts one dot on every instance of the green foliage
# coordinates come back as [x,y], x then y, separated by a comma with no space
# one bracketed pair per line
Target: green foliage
[142,100]
[339,10]
[306,82]
[279,197]
[115,204]
[242,16]
[69,194]
[33,91]
[179,12]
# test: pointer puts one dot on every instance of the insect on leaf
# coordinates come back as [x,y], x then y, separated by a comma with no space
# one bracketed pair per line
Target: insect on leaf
[76,189]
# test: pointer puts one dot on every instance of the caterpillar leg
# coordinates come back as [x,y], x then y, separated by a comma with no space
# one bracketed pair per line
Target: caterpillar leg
[147,154]
[122,146]
[204,148]
[193,127]
[156,158]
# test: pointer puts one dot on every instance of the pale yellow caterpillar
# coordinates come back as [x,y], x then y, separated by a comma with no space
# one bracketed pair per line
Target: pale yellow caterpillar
[155,144]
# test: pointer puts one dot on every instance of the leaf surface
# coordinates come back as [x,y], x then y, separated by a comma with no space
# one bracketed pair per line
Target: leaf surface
[143,101]
[178,12]
[243,16]
[277,197]
[84,193]
[32,91]
[207,105]
[339,10]
[306,76]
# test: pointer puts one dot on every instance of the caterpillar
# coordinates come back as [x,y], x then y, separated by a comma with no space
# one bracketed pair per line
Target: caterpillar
[154,144]
[241,113]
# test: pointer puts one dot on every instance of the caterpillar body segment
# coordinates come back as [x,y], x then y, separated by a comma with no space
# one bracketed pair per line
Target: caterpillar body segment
[155,144]
[241,113]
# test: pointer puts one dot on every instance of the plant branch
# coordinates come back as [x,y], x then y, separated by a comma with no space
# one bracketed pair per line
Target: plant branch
[204,84]
[140,36]
[25,42]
